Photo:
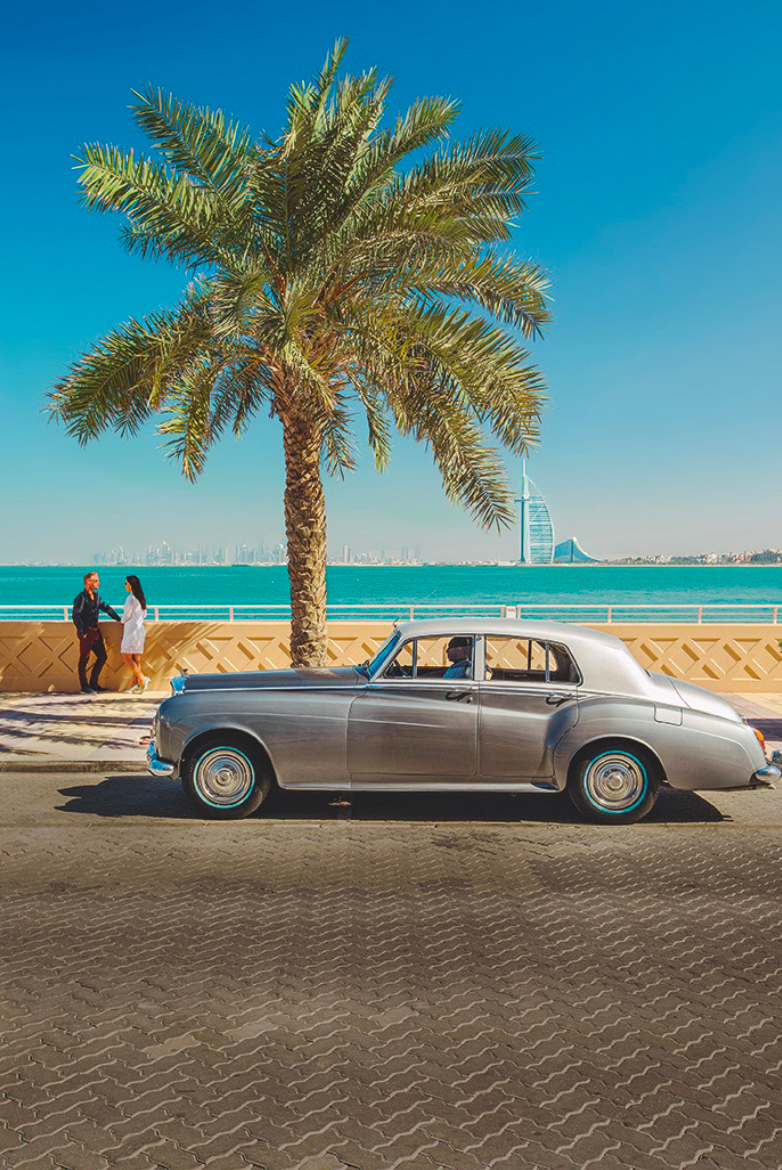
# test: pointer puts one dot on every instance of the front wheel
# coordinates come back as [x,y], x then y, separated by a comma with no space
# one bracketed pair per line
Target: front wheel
[226,779]
[614,784]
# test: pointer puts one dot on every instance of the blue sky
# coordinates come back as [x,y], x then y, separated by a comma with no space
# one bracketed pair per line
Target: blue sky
[656,215]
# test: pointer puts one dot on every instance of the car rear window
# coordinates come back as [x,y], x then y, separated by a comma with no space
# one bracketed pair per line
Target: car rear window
[516,660]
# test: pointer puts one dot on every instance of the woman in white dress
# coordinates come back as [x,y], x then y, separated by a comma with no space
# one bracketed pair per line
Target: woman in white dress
[133,632]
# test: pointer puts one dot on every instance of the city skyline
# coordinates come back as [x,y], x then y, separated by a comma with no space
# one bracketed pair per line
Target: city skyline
[644,362]
[247,553]
[262,555]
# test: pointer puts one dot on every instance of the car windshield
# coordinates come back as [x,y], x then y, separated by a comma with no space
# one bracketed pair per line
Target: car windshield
[384,653]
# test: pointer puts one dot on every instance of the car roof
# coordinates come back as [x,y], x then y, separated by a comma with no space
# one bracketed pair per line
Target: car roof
[566,632]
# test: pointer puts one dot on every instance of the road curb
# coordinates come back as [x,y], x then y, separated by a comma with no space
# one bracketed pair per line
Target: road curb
[48,765]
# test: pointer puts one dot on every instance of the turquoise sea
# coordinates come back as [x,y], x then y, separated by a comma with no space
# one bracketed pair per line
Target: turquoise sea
[392,589]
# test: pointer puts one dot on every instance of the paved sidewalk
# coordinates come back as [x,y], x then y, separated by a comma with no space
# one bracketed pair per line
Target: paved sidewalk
[75,732]
[763,712]
[92,732]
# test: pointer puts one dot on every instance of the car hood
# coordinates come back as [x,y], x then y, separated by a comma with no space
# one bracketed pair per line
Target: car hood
[696,698]
[309,678]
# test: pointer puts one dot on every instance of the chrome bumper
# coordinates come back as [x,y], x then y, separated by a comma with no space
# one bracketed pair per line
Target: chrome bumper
[765,777]
[156,766]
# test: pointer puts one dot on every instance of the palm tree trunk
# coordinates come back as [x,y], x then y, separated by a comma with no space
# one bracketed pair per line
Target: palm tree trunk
[305,527]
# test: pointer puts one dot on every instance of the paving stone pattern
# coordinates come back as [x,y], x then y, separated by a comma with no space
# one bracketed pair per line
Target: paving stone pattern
[307,991]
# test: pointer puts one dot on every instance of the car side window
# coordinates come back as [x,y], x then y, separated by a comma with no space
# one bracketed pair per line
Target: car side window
[433,658]
[445,657]
[515,660]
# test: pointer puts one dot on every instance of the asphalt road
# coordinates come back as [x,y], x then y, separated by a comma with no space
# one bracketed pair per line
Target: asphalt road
[460,982]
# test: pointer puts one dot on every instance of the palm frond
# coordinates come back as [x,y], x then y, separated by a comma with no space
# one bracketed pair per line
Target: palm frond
[307,102]
[471,471]
[188,421]
[338,442]
[124,378]
[168,215]
[203,143]
[378,428]
[238,300]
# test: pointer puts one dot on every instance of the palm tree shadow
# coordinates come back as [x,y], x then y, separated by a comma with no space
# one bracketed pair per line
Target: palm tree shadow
[129,795]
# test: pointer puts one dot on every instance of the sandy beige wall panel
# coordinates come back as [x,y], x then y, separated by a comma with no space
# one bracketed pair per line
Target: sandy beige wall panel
[723,658]
[42,656]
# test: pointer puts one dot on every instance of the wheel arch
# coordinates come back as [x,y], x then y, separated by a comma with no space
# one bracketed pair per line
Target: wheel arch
[240,734]
[627,742]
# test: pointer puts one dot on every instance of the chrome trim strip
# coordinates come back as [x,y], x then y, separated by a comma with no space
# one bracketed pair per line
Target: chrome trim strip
[267,689]
[445,684]
[424,784]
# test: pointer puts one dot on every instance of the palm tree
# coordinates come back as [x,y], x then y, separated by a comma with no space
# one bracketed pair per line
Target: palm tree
[325,280]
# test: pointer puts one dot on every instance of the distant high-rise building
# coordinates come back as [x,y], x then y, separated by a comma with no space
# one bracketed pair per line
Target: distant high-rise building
[537,529]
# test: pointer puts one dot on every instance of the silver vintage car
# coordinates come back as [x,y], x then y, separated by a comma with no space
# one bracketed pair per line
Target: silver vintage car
[458,705]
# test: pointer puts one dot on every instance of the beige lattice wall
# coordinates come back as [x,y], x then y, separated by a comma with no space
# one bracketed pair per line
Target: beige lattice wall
[41,656]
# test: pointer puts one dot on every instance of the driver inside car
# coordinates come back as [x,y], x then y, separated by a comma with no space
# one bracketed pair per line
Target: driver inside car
[459,654]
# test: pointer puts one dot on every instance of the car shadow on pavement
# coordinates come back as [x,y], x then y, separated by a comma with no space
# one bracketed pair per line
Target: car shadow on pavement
[130,795]
[125,795]
[514,807]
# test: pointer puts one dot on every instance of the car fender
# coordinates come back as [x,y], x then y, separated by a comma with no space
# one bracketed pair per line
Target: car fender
[225,725]
[602,717]
[711,752]
[303,733]
[695,750]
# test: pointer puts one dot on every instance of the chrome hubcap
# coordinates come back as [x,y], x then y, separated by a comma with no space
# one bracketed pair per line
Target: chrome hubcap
[224,776]
[615,781]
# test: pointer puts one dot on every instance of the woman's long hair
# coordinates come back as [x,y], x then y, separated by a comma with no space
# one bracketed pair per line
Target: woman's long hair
[136,590]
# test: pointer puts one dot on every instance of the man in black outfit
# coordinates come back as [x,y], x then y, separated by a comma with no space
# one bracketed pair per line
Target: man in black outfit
[459,654]
[86,608]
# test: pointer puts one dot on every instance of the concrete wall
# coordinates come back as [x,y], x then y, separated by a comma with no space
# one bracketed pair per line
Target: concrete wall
[42,656]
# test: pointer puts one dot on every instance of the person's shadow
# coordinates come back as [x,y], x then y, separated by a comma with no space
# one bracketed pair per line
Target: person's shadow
[130,795]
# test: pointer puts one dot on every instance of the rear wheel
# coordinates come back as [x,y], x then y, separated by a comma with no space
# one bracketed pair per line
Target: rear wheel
[614,783]
[225,777]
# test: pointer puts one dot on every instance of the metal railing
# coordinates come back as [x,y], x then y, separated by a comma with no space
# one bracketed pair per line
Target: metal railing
[604,613]
[760,613]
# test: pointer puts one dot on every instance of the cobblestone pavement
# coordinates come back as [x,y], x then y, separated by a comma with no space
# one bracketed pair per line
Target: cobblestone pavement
[452,982]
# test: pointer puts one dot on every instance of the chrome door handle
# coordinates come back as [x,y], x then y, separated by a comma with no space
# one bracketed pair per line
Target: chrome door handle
[455,696]
[555,700]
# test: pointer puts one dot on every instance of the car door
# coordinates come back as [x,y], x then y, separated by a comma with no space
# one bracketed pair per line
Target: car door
[417,724]
[528,700]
